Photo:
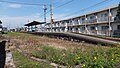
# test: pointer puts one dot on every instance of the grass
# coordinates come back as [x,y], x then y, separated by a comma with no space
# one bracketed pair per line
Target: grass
[23,62]
[68,53]
[94,58]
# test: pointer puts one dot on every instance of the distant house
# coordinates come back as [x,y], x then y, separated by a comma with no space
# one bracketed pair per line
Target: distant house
[12,30]
[32,26]
[5,29]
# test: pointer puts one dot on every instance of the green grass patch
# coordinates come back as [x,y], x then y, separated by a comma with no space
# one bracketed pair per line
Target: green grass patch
[22,36]
[23,62]
[93,58]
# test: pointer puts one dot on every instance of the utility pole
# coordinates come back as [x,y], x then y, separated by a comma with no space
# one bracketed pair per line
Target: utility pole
[109,20]
[45,8]
[51,15]
[9,26]
[28,26]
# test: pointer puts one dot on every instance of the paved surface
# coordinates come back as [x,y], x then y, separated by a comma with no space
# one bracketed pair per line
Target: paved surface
[9,60]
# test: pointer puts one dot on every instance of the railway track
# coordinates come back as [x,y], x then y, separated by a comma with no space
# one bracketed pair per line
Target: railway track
[77,37]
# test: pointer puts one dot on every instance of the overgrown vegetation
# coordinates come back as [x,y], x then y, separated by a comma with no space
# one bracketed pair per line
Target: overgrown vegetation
[117,18]
[94,58]
[23,62]
[72,54]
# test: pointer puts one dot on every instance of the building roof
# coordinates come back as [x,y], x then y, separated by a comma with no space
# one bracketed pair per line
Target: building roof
[98,11]
[102,10]
[34,23]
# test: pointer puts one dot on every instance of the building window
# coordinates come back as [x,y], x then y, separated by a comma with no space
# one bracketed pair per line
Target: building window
[106,14]
[118,27]
[76,29]
[92,28]
[92,17]
[105,27]
[106,17]
[83,20]
[83,28]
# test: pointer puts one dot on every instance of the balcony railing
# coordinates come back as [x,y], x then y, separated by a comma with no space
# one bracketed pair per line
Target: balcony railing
[92,32]
[92,21]
[70,24]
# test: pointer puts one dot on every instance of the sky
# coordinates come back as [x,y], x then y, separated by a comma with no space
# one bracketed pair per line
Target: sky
[16,15]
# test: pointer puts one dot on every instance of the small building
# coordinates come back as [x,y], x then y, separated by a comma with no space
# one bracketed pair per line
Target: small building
[32,26]
[12,30]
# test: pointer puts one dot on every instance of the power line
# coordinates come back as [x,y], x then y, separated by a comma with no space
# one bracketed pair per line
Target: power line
[59,6]
[87,8]
[64,4]
[45,8]
[21,3]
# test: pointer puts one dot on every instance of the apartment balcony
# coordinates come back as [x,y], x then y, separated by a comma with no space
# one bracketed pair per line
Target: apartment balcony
[83,23]
[57,30]
[76,31]
[53,25]
[92,21]
[62,30]
[103,32]
[113,19]
[75,23]
[57,25]
[69,30]
[62,25]
[70,24]
[103,20]
[92,32]
[96,32]
[47,26]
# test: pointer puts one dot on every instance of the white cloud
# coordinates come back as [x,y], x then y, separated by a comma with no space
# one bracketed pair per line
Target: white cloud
[14,22]
[19,21]
[15,6]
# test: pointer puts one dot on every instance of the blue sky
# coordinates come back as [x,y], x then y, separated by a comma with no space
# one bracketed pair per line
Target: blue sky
[16,15]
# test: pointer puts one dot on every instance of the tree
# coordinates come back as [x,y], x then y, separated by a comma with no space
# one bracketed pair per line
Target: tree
[117,18]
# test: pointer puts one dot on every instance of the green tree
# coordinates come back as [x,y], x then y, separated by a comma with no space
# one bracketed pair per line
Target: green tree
[117,18]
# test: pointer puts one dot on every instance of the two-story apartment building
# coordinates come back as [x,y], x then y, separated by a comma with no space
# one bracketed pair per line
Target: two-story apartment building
[95,23]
